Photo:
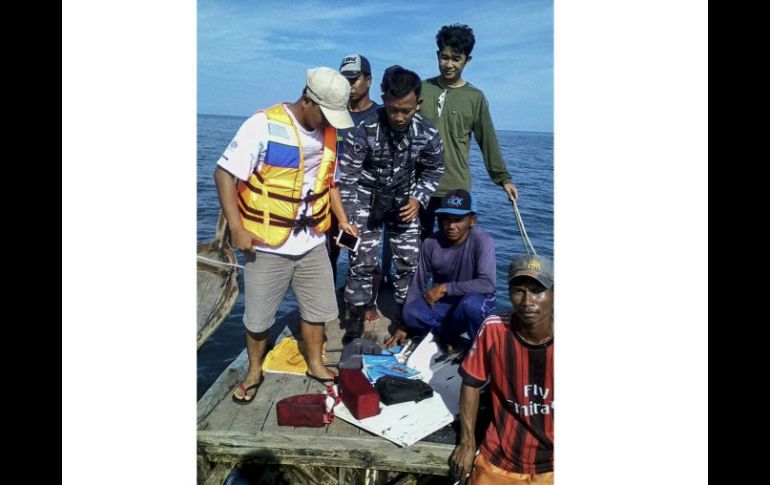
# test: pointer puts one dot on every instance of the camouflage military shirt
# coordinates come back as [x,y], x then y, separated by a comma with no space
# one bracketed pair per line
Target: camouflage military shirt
[377,159]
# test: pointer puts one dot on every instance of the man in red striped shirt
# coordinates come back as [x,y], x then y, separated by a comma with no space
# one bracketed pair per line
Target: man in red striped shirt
[515,353]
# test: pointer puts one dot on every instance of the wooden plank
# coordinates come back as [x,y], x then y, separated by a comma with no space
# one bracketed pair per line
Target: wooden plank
[353,475]
[203,469]
[218,474]
[346,475]
[216,412]
[222,416]
[360,452]
[265,399]
[309,475]
[221,389]
[251,417]
[408,479]
[342,428]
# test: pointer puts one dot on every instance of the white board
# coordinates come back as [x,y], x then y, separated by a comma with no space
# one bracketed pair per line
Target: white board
[407,423]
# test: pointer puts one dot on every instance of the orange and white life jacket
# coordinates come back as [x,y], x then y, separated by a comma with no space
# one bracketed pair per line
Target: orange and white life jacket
[272,196]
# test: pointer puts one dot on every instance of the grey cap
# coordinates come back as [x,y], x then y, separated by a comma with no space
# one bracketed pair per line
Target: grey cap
[352,353]
[354,65]
[534,266]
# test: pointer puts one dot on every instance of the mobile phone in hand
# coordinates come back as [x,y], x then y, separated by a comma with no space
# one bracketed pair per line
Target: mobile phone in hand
[348,240]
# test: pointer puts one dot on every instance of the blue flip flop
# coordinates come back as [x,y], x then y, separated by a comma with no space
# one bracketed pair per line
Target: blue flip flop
[245,399]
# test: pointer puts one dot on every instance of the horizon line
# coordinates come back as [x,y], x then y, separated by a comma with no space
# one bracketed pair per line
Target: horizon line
[246,116]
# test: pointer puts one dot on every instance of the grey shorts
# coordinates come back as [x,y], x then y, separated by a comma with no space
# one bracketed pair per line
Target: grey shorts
[268,276]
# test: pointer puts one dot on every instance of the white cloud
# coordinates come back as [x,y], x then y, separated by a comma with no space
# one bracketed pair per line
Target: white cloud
[238,44]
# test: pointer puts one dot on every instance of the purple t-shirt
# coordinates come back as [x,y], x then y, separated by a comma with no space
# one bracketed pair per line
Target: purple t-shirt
[467,268]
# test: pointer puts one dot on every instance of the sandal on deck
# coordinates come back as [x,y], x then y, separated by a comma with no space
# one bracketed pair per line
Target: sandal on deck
[328,382]
[371,319]
[371,316]
[246,399]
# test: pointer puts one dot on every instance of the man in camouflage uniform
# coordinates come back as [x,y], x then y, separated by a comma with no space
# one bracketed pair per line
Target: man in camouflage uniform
[391,166]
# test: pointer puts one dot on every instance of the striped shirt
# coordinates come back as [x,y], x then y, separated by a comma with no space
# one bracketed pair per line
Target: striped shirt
[519,438]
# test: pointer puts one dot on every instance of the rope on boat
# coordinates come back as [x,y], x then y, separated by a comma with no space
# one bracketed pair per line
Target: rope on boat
[524,238]
[216,262]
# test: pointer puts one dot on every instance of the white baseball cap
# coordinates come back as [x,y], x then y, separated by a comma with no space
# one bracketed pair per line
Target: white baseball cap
[331,91]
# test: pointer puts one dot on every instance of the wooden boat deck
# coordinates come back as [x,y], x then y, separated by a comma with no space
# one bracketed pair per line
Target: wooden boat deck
[229,433]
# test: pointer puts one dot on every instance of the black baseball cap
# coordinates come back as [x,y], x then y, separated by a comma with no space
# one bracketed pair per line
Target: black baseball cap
[457,202]
[354,65]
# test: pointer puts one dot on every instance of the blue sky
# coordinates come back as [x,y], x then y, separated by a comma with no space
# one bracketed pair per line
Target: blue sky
[252,54]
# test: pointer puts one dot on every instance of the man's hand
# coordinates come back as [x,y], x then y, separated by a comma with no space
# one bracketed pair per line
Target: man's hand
[410,210]
[432,295]
[242,239]
[397,337]
[512,191]
[461,461]
[349,228]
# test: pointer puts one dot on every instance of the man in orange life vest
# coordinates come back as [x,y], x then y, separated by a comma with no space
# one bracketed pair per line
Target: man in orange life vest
[283,160]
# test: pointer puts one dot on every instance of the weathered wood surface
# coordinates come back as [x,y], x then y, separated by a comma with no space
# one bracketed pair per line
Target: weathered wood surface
[223,386]
[217,475]
[368,451]
[335,331]
[232,433]
[217,282]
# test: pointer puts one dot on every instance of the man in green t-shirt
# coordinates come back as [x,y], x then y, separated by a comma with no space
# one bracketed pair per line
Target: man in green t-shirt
[459,109]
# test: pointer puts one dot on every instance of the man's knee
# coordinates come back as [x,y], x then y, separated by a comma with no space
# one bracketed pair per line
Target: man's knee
[314,323]
[259,336]
[256,323]
[472,306]
[417,316]
[411,313]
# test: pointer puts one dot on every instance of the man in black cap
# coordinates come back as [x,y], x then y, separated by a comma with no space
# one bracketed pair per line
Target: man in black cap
[514,353]
[460,259]
[358,72]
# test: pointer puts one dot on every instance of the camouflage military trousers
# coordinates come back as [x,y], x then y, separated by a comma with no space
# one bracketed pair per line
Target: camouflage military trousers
[405,243]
